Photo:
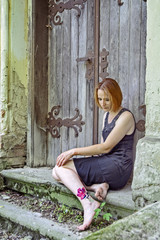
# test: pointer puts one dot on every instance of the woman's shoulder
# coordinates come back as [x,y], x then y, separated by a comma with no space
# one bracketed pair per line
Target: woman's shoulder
[127,120]
[127,113]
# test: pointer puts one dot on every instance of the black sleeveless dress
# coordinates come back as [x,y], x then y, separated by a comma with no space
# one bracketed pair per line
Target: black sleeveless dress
[114,167]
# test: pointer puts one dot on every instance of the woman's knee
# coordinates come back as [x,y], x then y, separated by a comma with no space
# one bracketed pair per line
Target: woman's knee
[57,170]
[54,174]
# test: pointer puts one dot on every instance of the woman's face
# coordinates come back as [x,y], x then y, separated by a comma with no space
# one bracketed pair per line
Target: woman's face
[104,100]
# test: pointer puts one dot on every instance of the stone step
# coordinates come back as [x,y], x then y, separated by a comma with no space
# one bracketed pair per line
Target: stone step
[19,220]
[39,182]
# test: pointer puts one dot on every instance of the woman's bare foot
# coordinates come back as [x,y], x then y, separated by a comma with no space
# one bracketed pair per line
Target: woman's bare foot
[100,190]
[89,212]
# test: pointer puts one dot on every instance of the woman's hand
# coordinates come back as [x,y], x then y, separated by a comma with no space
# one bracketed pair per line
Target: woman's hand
[64,157]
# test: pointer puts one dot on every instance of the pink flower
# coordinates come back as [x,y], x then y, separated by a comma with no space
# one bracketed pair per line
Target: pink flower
[81,193]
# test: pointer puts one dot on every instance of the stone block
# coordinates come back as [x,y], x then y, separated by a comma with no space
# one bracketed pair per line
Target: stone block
[144,224]
[146,180]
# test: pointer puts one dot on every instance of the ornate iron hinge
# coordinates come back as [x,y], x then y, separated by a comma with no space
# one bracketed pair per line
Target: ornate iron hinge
[56,8]
[140,125]
[54,125]
[103,63]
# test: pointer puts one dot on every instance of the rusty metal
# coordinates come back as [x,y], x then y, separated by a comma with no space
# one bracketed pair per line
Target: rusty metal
[140,125]
[56,8]
[103,63]
[49,26]
[143,107]
[96,68]
[120,3]
[89,59]
[54,125]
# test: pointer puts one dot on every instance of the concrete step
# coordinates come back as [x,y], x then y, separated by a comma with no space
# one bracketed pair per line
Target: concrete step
[19,220]
[39,182]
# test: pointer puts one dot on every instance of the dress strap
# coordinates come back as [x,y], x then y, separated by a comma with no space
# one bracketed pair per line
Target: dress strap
[120,112]
[117,116]
[106,118]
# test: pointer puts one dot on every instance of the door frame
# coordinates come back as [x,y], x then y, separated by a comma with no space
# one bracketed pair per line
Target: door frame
[37,83]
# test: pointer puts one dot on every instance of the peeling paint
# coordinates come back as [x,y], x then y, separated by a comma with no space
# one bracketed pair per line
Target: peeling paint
[13,114]
[19,39]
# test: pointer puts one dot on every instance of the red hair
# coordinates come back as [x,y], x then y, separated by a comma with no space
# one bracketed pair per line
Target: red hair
[111,87]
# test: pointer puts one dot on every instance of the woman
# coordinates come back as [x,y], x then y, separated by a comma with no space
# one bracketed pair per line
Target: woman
[112,164]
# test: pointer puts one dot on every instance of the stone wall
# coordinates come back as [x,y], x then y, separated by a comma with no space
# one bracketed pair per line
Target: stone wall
[146,180]
[14,80]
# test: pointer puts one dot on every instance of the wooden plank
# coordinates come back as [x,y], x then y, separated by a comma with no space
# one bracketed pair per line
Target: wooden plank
[114,40]
[89,83]
[56,97]
[74,74]
[59,86]
[134,63]
[123,64]
[134,56]
[81,72]
[104,24]
[40,82]
[52,93]
[66,75]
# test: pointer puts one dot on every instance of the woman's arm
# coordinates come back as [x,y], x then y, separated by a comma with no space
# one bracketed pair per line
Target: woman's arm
[124,125]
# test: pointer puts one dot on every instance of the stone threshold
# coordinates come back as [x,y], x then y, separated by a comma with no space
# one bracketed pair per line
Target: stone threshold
[39,182]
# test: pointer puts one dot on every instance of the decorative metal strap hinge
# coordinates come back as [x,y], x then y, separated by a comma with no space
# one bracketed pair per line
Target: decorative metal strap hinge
[56,8]
[140,125]
[103,63]
[54,125]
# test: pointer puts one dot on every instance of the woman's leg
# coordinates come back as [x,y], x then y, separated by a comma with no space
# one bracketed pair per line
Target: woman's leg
[99,189]
[67,174]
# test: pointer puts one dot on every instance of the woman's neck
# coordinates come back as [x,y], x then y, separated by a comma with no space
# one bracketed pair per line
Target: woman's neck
[112,114]
[116,112]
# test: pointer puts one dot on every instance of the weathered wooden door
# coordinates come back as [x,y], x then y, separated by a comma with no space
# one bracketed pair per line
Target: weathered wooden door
[106,39]
[68,86]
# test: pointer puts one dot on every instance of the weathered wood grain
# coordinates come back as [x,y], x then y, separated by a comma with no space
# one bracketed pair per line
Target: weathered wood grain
[89,83]
[38,109]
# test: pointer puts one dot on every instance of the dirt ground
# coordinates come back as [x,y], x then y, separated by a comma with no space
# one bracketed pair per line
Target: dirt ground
[53,211]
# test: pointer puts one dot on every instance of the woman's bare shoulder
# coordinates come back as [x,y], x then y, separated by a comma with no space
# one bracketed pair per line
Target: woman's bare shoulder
[126,120]
[127,114]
